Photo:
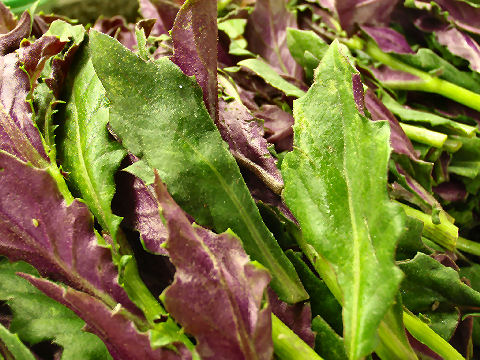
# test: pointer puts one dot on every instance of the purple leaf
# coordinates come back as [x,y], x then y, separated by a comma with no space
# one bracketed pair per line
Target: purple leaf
[278,126]
[18,73]
[266,33]
[194,36]
[164,11]
[388,40]
[119,334]
[372,12]
[400,143]
[214,272]
[387,76]
[139,208]
[244,135]
[457,42]
[358,96]
[7,19]
[298,317]
[10,41]
[462,14]
[451,191]
[118,28]
[37,226]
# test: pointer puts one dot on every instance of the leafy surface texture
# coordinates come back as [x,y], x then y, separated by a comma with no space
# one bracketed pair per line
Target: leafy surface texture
[37,318]
[158,113]
[213,272]
[335,185]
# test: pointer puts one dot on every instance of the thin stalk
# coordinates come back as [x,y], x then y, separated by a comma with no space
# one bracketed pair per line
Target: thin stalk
[452,145]
[444,234]
[423,333]
[428,82]
[424,136]
[468,246]
[288,345]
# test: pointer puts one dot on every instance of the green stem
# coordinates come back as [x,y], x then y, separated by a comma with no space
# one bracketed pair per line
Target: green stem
[390,344]
[444,234]
[55,173]
[288,345]
[468,246]
[424,136]
[423,333]
[428,82]
[452,145]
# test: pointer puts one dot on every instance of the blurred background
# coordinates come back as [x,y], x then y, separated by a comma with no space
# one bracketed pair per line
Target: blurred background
[86,11]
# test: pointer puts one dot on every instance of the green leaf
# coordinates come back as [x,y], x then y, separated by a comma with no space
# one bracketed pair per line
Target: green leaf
[423,117]
[91,157]
[86,150]
[336,186]
[159,115]
[328,344]
[307,48]
[38,318]
[271,76]
[11,347]
[428,281]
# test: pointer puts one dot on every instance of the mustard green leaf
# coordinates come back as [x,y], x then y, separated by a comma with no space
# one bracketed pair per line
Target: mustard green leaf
[336,186]
[159,115]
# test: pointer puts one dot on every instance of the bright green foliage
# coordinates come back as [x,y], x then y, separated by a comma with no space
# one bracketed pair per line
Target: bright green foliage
[327,342]
[336,186]
[87,152]
[11,347]
[271,76]
[159,115]
[37,318]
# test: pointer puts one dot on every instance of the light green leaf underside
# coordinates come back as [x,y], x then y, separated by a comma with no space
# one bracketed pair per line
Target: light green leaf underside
[12,347]
[159,115]
[38,318]
[336,186]
[87,152]
[271,76]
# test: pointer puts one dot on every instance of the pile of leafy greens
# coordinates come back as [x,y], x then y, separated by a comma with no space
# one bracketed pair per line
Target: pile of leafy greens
[242,179]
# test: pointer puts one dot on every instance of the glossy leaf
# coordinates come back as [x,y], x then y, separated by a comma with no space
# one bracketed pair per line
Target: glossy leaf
[327,189]
[86,150]
[214,272]
[191,158]
[427,281]
[194,36]
[271,76]
[37,318]
[57,239]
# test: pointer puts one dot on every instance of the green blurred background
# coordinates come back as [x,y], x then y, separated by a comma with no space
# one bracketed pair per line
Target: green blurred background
[86,11]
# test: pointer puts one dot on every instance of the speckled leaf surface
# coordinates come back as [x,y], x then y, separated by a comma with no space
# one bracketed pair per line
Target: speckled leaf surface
[158,113]
[336,186]
[214,272]
[86,150]
[37,226]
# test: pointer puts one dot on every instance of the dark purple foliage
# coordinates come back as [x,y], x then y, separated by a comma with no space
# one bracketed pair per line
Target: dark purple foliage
[123,340]
[298,317]
[387,75]
[278,126]
[388,39]
[18,71]
[37,226]
[400,143]
[213,272]
[451,191]
[10,41]
[194,36]
[244,135]
[266,34]
[118,28]
[164,11]
[360,12]
[7,20]
[462,14]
